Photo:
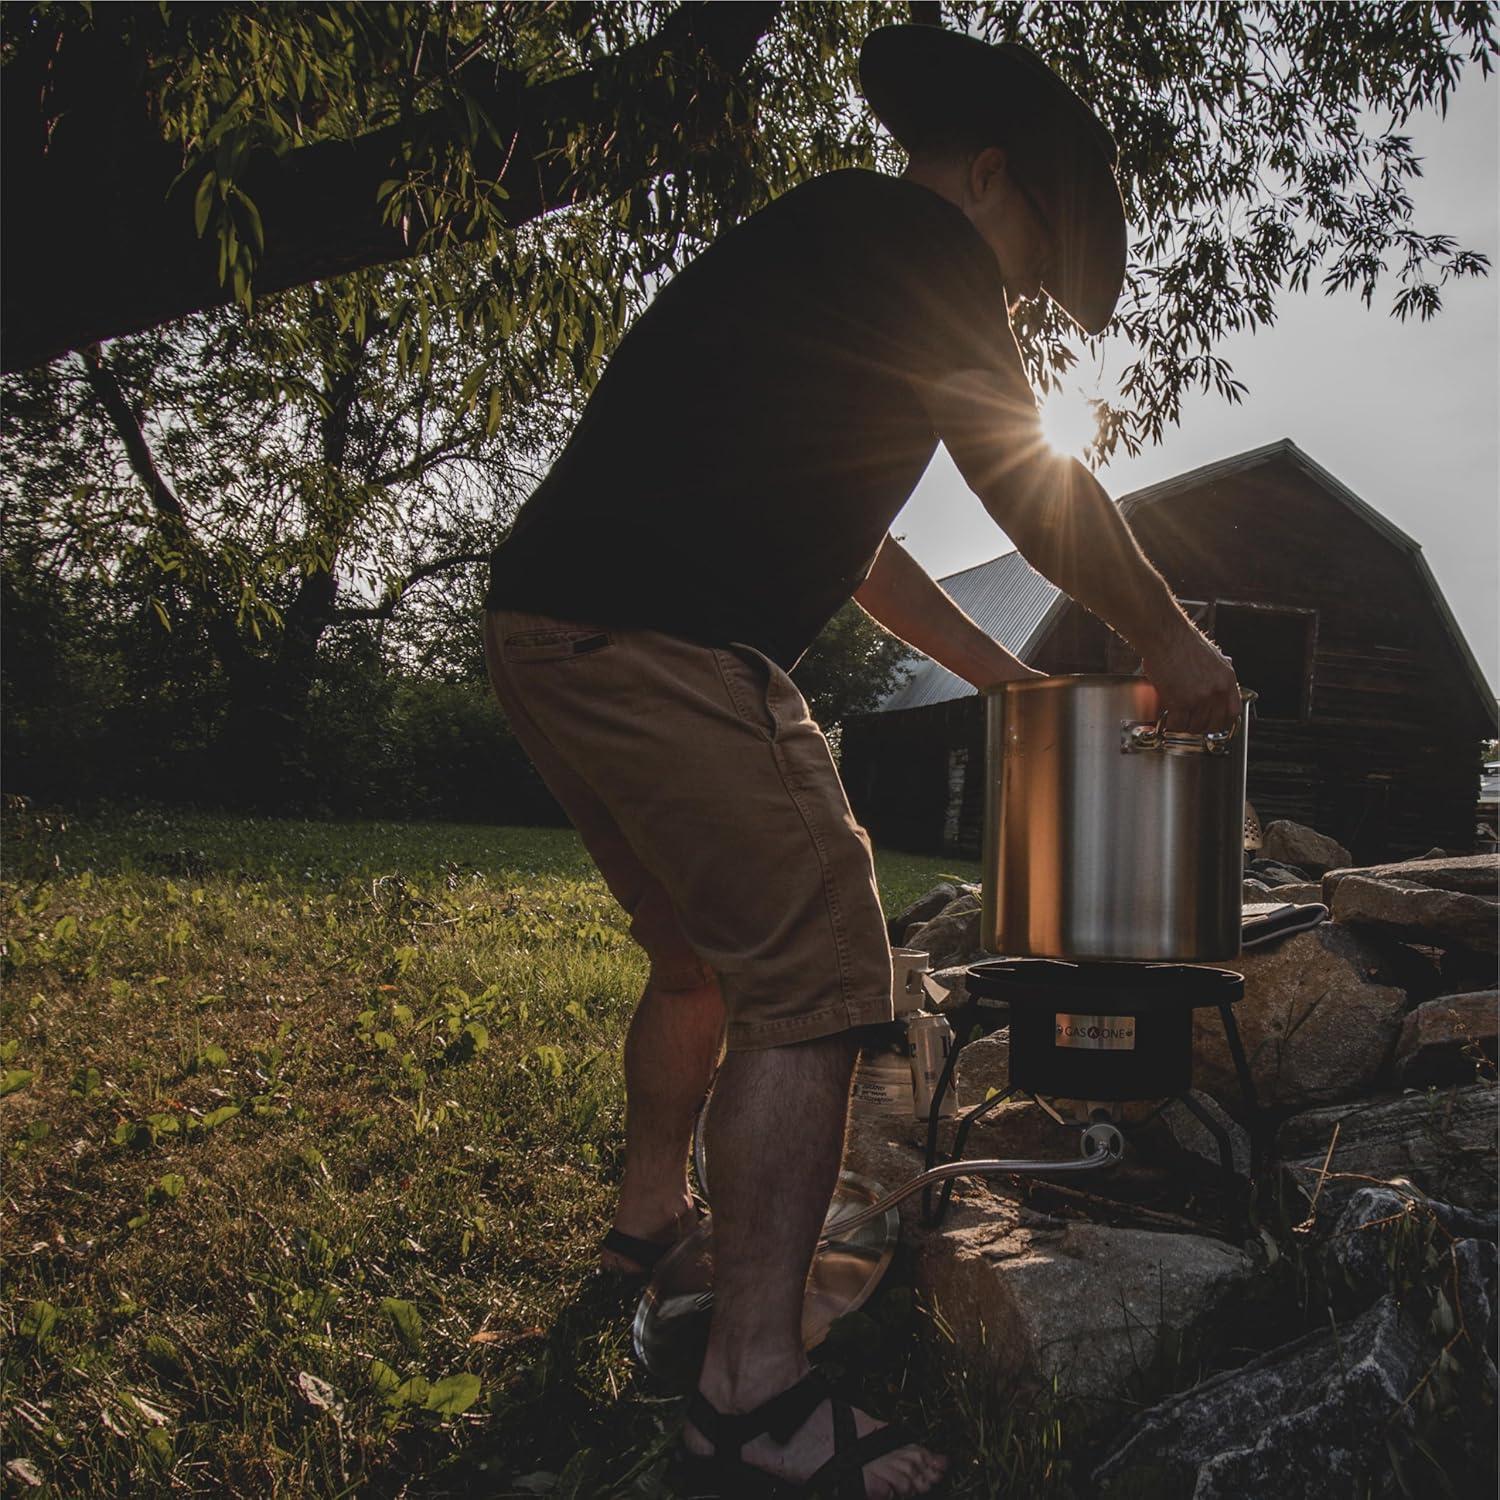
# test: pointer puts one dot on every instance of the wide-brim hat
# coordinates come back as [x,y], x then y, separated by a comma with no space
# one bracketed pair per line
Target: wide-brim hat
[926,82]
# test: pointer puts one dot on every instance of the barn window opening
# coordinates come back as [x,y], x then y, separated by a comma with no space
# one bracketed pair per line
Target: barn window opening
[1272,654]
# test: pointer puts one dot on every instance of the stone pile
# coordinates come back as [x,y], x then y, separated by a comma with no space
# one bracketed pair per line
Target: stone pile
[1371,1040]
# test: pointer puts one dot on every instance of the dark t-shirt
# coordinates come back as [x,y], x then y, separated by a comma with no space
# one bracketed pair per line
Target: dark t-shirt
[751,441]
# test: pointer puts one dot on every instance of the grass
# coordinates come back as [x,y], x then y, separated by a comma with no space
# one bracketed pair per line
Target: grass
[310,1132]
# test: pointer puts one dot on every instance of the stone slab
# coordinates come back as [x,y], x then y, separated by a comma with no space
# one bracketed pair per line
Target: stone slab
[1418,913]
[1443,1140]
[1468,874]
[1296,844]
[1318,1021]
[1307,1421]
[951,937]
[1029,1297]
[1446,1040]
[1085,1305]
[923,909]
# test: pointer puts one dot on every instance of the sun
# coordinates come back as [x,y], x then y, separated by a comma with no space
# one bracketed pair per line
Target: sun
[1069,421]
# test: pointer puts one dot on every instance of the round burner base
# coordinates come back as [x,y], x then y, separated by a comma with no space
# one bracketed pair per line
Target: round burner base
[1107,1031]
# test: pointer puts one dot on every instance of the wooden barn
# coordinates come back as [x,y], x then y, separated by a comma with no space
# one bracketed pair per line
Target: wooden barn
[1371,706]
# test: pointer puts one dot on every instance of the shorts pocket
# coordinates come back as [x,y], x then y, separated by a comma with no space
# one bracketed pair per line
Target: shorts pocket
[561,644]
[750,679]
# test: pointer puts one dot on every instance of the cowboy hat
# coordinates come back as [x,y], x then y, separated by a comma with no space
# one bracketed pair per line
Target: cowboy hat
[928,83]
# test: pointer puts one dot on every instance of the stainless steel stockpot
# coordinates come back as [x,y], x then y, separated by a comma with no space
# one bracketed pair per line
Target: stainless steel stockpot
[1106,835]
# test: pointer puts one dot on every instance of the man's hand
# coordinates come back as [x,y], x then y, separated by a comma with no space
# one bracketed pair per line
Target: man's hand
[1196,681]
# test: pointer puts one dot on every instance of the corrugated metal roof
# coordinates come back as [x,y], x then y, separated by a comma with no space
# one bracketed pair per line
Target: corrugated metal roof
[1005,596]
[1017,605]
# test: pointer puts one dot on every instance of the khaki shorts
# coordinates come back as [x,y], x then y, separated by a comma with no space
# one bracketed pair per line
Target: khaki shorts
[707,796]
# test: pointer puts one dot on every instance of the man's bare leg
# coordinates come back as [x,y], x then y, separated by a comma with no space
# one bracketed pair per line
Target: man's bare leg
[670,1053]
[775,1141]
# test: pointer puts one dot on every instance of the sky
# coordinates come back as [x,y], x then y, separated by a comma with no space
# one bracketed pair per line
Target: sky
[1406,414]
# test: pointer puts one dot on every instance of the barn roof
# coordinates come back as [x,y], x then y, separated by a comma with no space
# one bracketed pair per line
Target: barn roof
[1011,600]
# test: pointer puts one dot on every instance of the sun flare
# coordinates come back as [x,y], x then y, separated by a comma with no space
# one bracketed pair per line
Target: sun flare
[1069,422]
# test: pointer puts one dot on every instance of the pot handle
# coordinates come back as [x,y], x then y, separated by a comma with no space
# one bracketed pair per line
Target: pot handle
[1148,734]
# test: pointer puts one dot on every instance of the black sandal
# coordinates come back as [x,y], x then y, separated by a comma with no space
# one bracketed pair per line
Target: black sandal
[647,1254]
[725,1473]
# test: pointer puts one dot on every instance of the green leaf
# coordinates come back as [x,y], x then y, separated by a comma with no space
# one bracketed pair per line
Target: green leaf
[252,215]
[382,1377]
[203,202]
[453,1395]
[411,1392]
[471,385]
[216,1117]
[86,1081]
[39,1319]
[406,1320]
[212,1056]
[14,1079]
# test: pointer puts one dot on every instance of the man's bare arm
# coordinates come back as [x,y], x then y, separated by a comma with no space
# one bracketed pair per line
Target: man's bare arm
[905,599]
[1069,530]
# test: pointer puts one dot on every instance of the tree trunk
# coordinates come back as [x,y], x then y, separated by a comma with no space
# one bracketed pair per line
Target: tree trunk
[262,748]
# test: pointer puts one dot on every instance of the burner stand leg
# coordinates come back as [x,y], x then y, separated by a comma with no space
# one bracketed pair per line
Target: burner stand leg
[930,1218]
[1238,1218]
[1216,1130]
[945,1079]
[1247,1089]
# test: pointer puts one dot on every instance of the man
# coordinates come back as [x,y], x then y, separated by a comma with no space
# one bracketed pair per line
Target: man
[730,484]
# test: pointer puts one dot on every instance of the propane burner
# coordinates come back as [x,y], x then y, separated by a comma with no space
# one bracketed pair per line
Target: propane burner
[1105,1033]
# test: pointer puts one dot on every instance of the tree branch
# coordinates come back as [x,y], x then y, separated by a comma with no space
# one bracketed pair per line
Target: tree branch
[105,385]
[387,606]
[97,242]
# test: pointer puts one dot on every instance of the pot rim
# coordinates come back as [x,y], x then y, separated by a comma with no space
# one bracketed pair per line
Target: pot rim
[1058,681]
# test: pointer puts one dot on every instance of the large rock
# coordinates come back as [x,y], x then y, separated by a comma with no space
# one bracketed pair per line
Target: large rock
[1087,1306]
[1188,1133]
[1442,1141]
[1478,1264]
[1295,844]
[1028,1297]
[951,937]
[1364,1249]
[1274,873]
[923,909]
[1468,874]
[1318,1021]
[1421,913]
[1446,1040]
[1308,1421]
[1300,895]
